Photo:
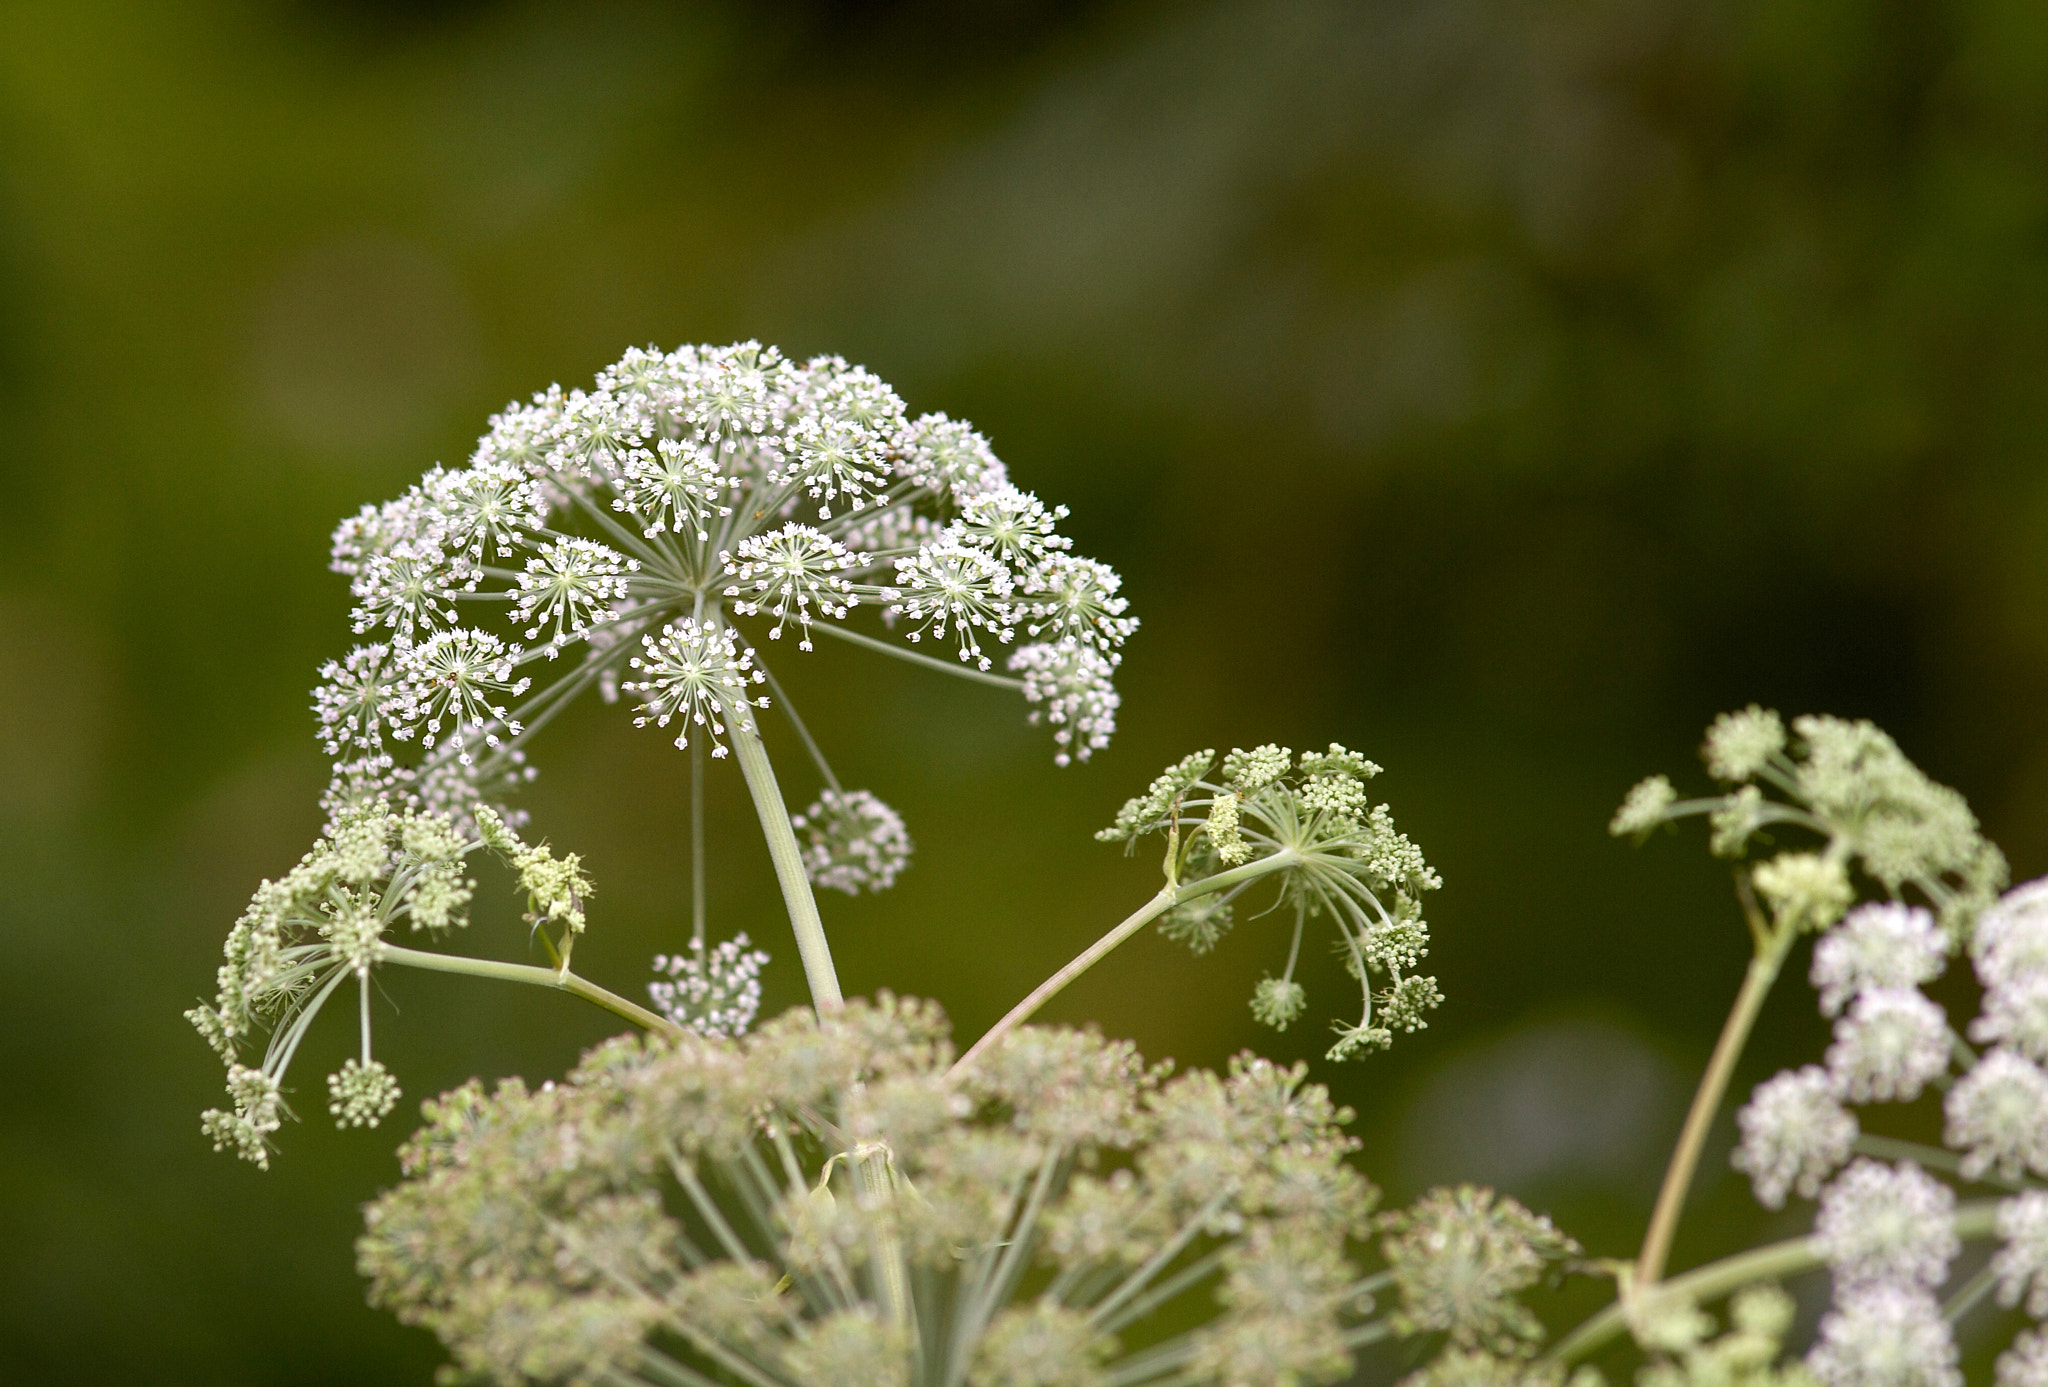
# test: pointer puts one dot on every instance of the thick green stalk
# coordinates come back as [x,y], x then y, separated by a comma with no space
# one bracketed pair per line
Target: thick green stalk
[560,979]
[1169,896]
[811,945]
[1685,1158]
[1976,1219]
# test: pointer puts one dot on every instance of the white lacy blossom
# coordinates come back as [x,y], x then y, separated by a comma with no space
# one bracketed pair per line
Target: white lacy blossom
[1072,681]
[852,842]
[1882,1225]
[2011,940]
[1892,1042]
[2021,1265]
[1795,1134]
[1878,945]
[717,485]
[1998,1116]
[696,674]
[1885,1336]
[2016,1014]
[714,992]
[2025,1364]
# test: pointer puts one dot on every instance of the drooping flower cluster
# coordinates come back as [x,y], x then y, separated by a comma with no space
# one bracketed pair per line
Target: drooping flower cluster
[1338,855]
[323,923]
[852,842]
[649,535]
[825,1203]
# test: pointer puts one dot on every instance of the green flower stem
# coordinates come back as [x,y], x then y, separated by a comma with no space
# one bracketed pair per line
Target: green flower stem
[811,945]
[1772,946]
[918,657]
[561,980]
[1975,1219]
[1169,896]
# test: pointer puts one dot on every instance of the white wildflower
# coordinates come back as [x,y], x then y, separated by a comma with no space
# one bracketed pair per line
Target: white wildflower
[789,570]
[1878,945]
[2011,939]
[1885,1336]
[852,842]
[2025,1364]
[1998,1116]
[1070,681]
[1795,1133]
[2021,1265]
[948,585]
[1887,1225]
[569,585]
[2016,1013]
[696,674]
[453,678]
[1892,1042]
[713,992]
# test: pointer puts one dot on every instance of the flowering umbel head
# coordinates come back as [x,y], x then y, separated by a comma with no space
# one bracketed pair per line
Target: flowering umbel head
[652,534]
[1849,783]
[1337,855]
[323,924]
[825,1203]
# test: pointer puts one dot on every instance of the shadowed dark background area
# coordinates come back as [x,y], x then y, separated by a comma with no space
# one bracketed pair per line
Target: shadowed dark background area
[1500,389]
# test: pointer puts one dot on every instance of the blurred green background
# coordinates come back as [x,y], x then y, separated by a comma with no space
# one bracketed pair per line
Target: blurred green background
[1502,389]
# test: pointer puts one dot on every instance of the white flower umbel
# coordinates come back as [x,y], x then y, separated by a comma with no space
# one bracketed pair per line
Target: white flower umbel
[2021,1265]
[713,992]
[1795,1134]
[2016,1014]
[1885,1336]
[1882,1225]
[852,842]
[1876,945]
[1998,1116]
[698,676]
[2011,939]
[1889,1046]
[2025,1364]
[716,485]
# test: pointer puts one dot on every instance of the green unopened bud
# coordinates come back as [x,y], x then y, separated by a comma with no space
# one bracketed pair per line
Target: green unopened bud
[1805,890]
[1277,1001]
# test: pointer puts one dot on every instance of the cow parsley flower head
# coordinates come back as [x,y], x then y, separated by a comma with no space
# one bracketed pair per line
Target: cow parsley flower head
[2021,1265]
[1877,945]
[1885,1336]
[1883,1225]
[2011,939]
[2016,1013]
[1336,854]
[827,1203]
[1998,1116]
[712,992]
[1795,1134]
[1892,1043]
[1460,1256]
[654,532]
[2025,1364]
[852,842]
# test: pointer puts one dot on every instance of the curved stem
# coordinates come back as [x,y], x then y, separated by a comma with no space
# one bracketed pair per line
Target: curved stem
[811,945]
[560,980]
[1685,1158]
[1168,897]
[1976,1219]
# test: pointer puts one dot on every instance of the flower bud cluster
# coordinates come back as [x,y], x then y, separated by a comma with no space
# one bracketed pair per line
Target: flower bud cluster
[1337,855]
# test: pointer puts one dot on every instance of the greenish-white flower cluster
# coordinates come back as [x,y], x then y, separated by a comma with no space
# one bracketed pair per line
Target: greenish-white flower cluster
[1337,855]
[324,923]
[826,1203]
